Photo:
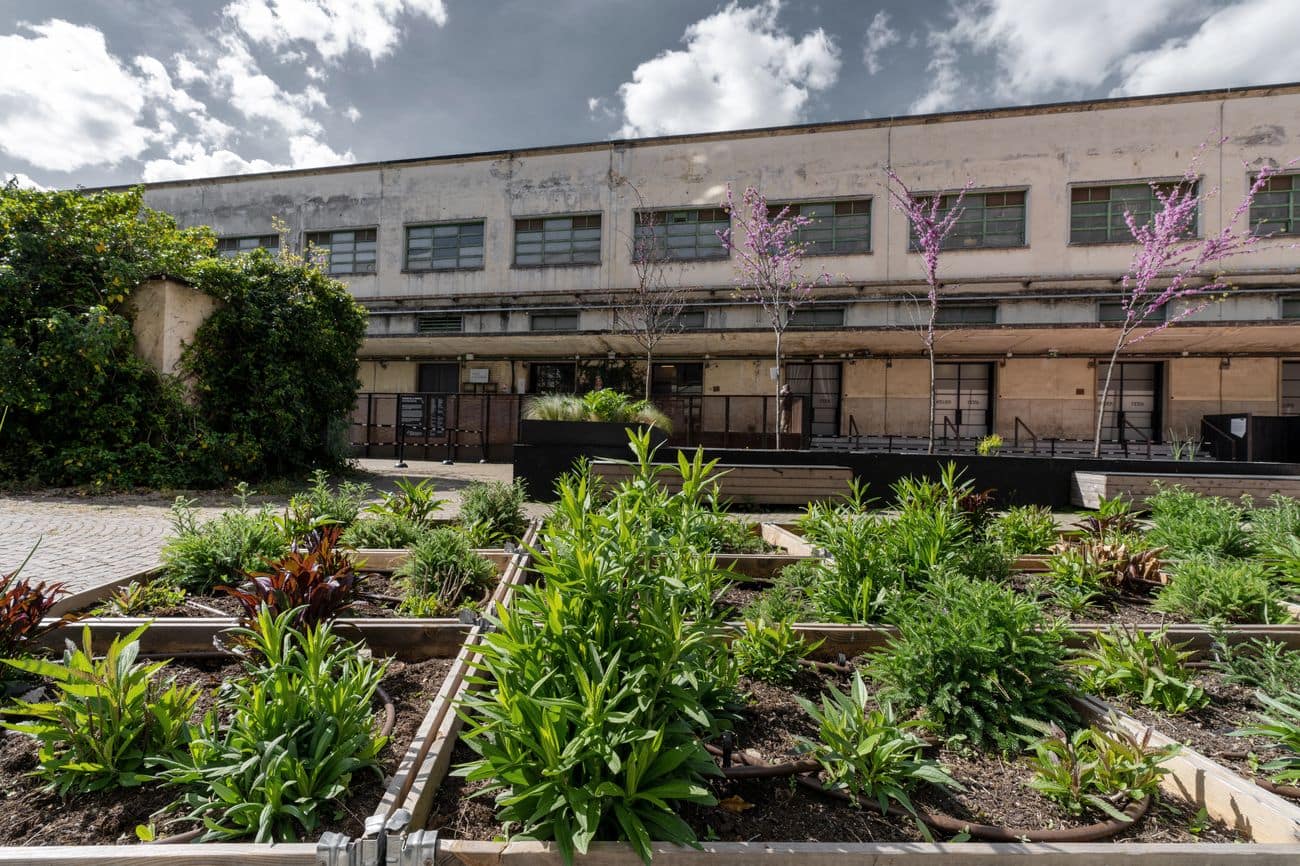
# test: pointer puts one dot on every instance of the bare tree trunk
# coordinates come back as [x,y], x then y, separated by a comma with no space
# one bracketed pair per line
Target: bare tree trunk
[649,358]
[778,390]
[929,346]
[1101,403]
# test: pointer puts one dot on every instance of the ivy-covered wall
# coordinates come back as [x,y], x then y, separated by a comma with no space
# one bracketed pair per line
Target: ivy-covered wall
[273,372]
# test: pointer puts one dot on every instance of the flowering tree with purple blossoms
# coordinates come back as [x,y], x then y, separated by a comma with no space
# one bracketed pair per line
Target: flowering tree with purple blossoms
[930,224]
[1170,262]
[769,265]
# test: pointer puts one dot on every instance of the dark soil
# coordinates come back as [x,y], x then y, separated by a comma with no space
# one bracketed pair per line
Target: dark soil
[1114,610]
[1209,730]
[781,810]
[30,816]
[737,597]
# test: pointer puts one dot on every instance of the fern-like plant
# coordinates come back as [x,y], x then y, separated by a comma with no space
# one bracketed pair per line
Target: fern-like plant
[1128,661]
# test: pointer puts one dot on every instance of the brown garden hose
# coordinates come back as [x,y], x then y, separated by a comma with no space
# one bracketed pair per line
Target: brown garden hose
[754,768]
[1289,791]
[390,720]
[987,832]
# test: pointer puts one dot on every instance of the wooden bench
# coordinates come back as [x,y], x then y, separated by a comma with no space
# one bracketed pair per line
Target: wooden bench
[755,484]
[1088,488]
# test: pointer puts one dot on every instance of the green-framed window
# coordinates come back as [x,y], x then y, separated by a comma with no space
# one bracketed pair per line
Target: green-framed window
[444,246]
[1291,308]
[1097,212]
[837,227]
[566,240]
[685,235]
[817,317]
[350,252]
[966,314]
[233,246]
[989,220]
[553,322]
[1276,208]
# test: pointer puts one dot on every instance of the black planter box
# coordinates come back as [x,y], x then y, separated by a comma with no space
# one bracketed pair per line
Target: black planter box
[548,449]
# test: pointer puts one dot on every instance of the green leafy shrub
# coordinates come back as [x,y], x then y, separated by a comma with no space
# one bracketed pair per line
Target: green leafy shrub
[111,718]
[323,502]
[1220,591]
[1102,768]
[492,512]
[384,531]
[868,753]
[821,516]
[1188,524]
[770,651]
[284,741]
[138,597]
[414,501]
[1024,529]
[989,445]
[314,582]
[788,596]
[1274,528]
[973,656]
[1113,521]
[1281,724]
[604,628]
[442,573]
[1258,663]
[199,556]
[605,405]
[1147,667]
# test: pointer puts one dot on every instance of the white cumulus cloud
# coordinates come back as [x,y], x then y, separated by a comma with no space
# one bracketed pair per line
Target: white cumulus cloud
[880,35]
[22,180]
[739,68]
[332,27]
[65,101]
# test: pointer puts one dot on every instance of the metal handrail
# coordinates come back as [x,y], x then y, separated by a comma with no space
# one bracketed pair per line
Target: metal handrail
[1232,440]
[1124,422]
[956,431]
[1015,437]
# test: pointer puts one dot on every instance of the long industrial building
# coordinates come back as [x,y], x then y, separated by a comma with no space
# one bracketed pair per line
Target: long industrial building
[495,275]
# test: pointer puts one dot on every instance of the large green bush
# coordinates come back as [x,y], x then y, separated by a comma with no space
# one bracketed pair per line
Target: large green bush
[274,370]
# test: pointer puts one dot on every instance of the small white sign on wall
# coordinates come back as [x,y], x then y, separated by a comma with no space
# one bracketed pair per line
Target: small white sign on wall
[479,375]
[775,373]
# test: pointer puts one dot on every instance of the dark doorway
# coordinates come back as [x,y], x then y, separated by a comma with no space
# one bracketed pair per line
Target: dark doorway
[818,384]
[551,378]
[1132,411]
[439,378]
[963,405]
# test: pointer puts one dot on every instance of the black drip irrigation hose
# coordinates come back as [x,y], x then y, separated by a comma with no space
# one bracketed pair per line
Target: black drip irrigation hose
[390,720]
[1291,792]
[985,832]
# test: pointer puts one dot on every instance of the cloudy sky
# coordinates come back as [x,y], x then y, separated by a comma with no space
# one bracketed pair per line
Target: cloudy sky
[115,91]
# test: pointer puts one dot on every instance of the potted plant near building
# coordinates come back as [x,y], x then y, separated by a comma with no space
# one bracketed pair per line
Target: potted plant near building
[597,419]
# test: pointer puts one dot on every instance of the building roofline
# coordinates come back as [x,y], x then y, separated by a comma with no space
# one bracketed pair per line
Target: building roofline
[1106,104]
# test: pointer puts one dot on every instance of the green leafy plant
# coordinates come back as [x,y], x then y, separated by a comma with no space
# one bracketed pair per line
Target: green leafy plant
[442,573]
[1189,524]
[315,583]
[492,512]
[413,501]
[1126,661]
[1222,591]
[138,597]
[770,651]
[323,502]
[1280,723]
[598,685]
[1100,768]
[383,531]
[1077,600]
[869,754]
[1257,663]
[1112,521]
[973,656]
[284,741]
[989,445]
[605,405]
[110,719]
[1024,529]
[1275,528]
[25,609]
[199,556]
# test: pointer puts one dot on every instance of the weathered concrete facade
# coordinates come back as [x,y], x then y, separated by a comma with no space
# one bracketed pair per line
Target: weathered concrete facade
[1040,353]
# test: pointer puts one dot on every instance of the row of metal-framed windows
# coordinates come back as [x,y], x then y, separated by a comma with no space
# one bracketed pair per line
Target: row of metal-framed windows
[682,235]
[816,317]
[966,314]
[233,246]
[836,227]
[444,247]
[570,240]
[1097,212]
[347,252]
[1113,311]
[1276,208]
[988,220]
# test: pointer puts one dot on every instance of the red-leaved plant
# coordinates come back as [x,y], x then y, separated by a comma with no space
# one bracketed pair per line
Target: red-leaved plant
[24,607]
[318,578]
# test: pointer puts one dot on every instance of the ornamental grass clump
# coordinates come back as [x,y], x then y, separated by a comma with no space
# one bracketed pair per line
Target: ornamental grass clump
[109,720]
[442,574]
[972,656]
[603,405]
[599,686]
[285,741]
[1189,524]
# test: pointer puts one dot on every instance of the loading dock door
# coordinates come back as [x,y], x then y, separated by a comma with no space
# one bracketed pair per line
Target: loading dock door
[963,400]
